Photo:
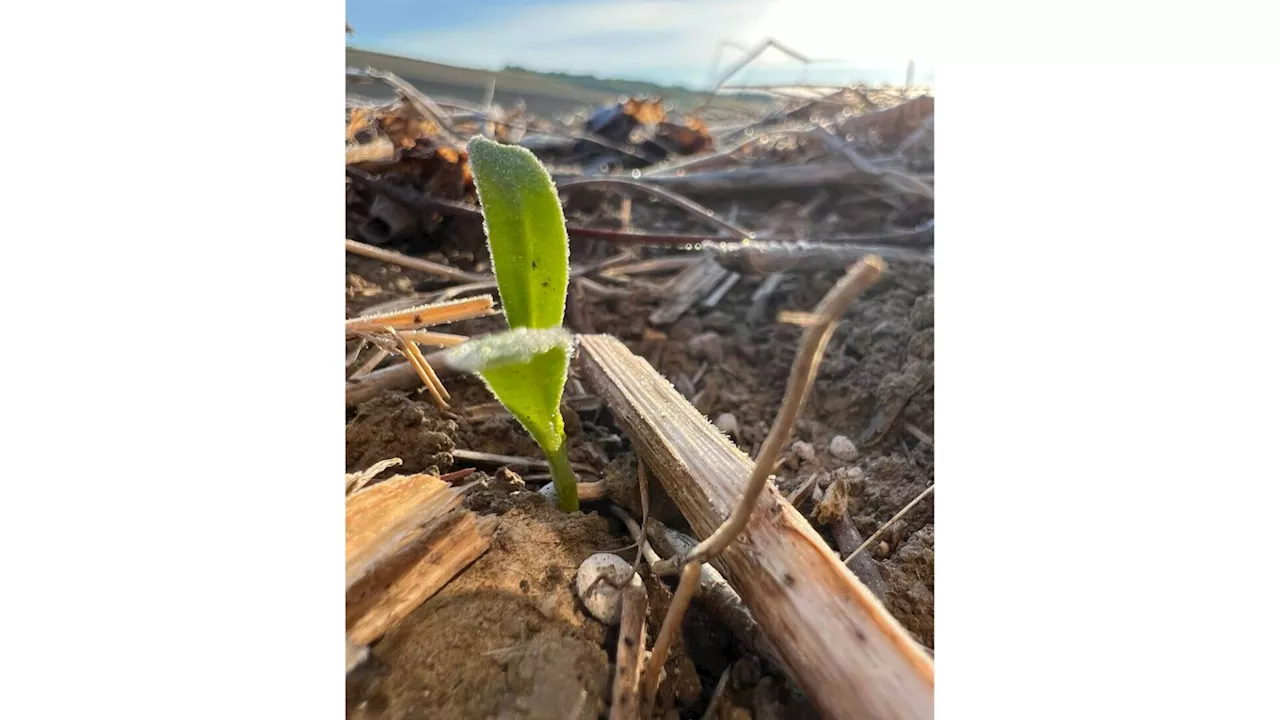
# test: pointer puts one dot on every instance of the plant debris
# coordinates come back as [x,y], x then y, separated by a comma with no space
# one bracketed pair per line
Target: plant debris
[700,238]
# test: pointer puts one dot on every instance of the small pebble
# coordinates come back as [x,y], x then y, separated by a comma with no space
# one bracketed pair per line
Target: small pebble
[728,424]
[882,549]
[843,448]
[601,598]
[803,450]
[708,345]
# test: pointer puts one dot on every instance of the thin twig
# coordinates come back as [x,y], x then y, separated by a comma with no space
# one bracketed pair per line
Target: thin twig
[418,202]
[412,263]
[676,199]
[630,655]
[716,696]
[921,435]
[485,458]
[892,520]
[670,625]
[643,483]
[803,372]
[804,487]
[372,363]
[894,178]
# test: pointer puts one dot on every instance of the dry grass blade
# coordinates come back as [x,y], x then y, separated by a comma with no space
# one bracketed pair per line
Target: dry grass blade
[434,338]
[412,263]
[414,355]
[374,361]
[425,315]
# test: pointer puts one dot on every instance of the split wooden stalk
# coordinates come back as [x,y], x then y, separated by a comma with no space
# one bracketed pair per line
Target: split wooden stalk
[841,646]
[377,609]
[406,538]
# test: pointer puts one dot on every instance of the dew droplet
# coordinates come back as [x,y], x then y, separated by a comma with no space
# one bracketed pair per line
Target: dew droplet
[635,174]
[697,246]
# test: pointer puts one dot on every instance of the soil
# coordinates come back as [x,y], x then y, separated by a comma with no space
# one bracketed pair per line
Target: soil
[506,638]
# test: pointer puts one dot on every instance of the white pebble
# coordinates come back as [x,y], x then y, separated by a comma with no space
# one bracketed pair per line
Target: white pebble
[727,423]
[601,598]
[843,448]
[803,450]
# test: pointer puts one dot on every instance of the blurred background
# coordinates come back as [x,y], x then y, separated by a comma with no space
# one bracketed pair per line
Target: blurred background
[559,54]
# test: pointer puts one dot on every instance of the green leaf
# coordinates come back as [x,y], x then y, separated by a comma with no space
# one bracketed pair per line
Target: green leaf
[528,244]
[526,370]
[532,395]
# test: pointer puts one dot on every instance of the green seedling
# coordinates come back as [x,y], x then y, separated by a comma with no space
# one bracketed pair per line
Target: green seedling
[526,367]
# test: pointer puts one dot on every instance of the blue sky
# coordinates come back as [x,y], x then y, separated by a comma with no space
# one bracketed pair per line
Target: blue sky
[666,41]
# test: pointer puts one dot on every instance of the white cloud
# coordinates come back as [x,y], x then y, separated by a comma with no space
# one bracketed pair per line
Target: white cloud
[677,40]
